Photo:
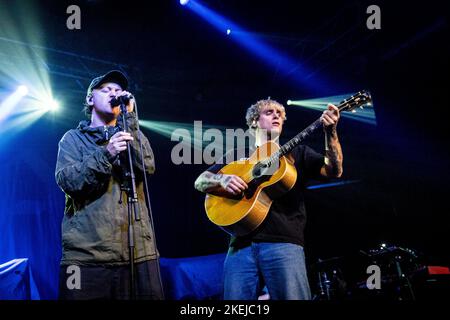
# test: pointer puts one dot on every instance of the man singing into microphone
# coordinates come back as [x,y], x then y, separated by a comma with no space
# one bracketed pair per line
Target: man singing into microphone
[90,169]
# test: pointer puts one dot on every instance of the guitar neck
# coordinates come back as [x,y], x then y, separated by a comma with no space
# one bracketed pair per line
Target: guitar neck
[295,141]
[357,100]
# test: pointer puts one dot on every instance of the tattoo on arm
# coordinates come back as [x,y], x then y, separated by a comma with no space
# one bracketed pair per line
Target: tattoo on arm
[332,157]
[331,132]
[208,180]
[333,154]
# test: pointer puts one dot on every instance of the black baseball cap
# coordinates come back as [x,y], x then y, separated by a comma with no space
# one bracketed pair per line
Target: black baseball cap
[114,76]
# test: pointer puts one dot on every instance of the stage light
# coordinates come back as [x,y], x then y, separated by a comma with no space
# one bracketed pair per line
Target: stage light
[199,143]
[53,105]
[332,184]
[365,115]
[44,104]
[26,65]
[22,90]
[8,103]
[184,2]
[301,73]
[289,102]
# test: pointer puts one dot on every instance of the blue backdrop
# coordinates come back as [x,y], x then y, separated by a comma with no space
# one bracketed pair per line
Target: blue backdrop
[31,208]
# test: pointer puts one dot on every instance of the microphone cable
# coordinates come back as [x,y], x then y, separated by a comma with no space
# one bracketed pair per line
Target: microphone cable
[147,194]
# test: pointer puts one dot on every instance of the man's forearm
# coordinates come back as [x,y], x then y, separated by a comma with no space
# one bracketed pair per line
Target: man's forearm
[223,185]
[208,182]
[333,154]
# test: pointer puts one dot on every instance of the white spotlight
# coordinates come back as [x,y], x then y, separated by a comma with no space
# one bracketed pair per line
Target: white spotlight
[53,105]
[228,31]
[289,102]
[22,90]
[184,2]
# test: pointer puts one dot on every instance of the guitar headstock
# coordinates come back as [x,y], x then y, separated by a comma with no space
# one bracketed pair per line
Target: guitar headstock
[359,99]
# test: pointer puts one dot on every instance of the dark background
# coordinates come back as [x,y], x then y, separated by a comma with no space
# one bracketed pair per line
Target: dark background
[183,70]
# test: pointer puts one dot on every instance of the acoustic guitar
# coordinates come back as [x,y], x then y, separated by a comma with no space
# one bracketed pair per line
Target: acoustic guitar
[269,173]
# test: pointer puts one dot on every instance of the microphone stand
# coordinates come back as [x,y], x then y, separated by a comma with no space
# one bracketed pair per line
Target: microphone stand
[132,199]
[150,214]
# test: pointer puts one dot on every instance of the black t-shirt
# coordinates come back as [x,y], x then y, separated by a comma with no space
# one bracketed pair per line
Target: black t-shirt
[286,219]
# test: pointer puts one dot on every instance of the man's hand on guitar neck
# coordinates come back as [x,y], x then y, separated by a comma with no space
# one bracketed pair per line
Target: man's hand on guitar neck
[219,184]
[330,118]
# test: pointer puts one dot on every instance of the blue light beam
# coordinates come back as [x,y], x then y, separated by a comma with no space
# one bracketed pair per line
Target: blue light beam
[269,55]
[365,115]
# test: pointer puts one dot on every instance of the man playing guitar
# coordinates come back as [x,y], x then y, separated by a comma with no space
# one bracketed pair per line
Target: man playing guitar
[272,255]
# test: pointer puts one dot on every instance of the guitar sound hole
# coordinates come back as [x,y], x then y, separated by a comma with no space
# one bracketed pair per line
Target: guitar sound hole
[260,169]
[257,171]
[253,186]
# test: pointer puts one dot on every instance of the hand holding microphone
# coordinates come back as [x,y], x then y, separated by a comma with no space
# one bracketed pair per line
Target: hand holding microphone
[125,98]
[118,143]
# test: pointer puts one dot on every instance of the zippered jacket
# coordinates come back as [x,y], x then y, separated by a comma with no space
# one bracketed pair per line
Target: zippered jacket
[95,222]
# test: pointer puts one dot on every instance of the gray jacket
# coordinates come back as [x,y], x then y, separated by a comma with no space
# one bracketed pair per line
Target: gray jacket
[95,223]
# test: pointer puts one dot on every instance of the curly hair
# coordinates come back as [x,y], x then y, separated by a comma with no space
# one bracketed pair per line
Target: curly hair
[253,112]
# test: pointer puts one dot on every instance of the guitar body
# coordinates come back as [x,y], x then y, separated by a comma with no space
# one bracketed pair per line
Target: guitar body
[241,215]
[244,214]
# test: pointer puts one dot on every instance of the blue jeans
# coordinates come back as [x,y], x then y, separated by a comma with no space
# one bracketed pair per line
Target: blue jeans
[278,266]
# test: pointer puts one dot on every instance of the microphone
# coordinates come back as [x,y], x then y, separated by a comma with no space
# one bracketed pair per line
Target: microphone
[117,101]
